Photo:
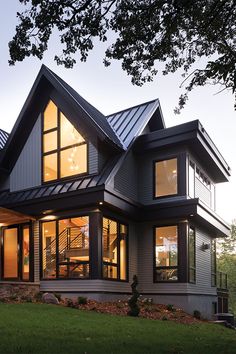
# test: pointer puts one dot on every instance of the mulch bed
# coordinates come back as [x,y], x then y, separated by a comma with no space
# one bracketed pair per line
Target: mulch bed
[150,311]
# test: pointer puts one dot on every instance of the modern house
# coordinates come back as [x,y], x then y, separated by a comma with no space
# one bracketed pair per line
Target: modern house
[87,201]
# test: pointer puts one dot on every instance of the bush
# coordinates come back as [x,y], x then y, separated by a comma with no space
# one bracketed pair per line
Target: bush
[69,302]
[82,300]
[38,296]
[170,307]
[133,301]
[197,314]
[164,318]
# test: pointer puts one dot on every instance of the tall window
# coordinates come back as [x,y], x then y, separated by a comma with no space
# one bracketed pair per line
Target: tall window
[166,253]
[64,148]
[66,248]
[166,178]
[192,255]
[114,250]
[213,263]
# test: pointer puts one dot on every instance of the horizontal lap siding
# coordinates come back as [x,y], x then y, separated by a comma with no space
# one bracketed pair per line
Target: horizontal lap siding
[27,170]
[125,181]
[202,192]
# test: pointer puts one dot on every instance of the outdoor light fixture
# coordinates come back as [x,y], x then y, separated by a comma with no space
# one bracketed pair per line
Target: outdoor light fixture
[100,203]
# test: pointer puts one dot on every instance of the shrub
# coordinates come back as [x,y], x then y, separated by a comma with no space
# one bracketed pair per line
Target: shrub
[164,318]
[133,301]
[38,296]
[82,300]
[69,302]
[170,307]
[197,314]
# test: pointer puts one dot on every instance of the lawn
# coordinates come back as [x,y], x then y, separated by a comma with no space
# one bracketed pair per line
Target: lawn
[38,328]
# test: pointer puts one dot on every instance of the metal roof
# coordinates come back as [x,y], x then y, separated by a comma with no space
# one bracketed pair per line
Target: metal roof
[58,188]
[129,123]
[3,138]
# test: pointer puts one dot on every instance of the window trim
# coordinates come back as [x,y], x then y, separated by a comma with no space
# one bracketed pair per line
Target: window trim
[191,268]
[118,252]
[213,274]
[177,157]
[154,255]
[59,149]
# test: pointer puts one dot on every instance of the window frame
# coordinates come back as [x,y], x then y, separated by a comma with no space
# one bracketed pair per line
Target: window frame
[57,220]
[192,268]
[59,149]
[177,157]
[154,255]
[118,251]
[213,274]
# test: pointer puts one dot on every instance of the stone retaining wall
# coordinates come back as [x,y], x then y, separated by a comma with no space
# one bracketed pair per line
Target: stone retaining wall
[17,291]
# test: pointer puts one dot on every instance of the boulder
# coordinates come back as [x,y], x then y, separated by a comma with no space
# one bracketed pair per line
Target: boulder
[50,299]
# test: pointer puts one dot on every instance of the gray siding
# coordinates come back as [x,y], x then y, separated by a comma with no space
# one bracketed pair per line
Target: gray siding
[125,180]
[27,170]
[146,175]
[202,192]
[145,267]
[93,158]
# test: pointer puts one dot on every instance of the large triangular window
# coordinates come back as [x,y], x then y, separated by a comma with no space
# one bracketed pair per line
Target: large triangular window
[64,148]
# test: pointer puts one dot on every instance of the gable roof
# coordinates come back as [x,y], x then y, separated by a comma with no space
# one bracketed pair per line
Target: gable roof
[3,138]
[129,123]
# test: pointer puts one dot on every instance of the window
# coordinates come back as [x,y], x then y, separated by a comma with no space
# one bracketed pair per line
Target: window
[166,175]
[166,253]
[65,245]
[114,241]
[192,255]
[213,263]
[64,148]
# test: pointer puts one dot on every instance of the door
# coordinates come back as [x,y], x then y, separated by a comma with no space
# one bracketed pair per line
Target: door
[16,263]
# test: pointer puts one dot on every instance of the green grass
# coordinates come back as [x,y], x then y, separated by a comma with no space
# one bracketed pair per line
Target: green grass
[37,328]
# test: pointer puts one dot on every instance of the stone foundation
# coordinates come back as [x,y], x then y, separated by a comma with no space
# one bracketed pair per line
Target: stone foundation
[17,291]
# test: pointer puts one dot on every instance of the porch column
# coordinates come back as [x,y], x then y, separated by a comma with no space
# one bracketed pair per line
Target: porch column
[95,234]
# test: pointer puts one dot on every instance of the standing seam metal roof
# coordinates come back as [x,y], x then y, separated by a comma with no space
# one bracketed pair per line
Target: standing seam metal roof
[3,138]
[129,123]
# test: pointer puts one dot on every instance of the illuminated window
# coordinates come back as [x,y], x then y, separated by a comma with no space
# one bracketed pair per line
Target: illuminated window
[166,253]
[64,148]
[114,250]
[66,248]
[166,178]
[192,255]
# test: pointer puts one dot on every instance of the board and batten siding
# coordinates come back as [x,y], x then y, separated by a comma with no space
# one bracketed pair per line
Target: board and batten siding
[126,178]
[96,285]
[145,267]
[27,170]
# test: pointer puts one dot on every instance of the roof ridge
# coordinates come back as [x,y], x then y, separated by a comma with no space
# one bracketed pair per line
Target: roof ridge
[129,108]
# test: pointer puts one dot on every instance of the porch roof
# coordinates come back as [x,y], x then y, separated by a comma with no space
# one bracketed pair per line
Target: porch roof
[8,216]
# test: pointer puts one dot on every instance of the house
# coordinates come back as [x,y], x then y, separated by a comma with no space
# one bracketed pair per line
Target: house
[87,201]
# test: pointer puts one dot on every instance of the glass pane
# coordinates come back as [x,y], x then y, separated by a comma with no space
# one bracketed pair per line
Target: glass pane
[166,177]
[110,271]
[166,246]
[10,253]
[25,253]
[109,241]
[74,161]
[50,116]
[191,179]
[192,275]
[69,135]
[49,249]
[123,252]
[166,274]
[50,141]
[50,167]
[74,247]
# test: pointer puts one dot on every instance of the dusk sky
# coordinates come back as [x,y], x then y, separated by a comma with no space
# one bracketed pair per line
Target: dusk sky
[110,90]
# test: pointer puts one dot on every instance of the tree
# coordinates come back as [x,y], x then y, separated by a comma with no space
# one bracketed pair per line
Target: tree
[147,32]
[226,262]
